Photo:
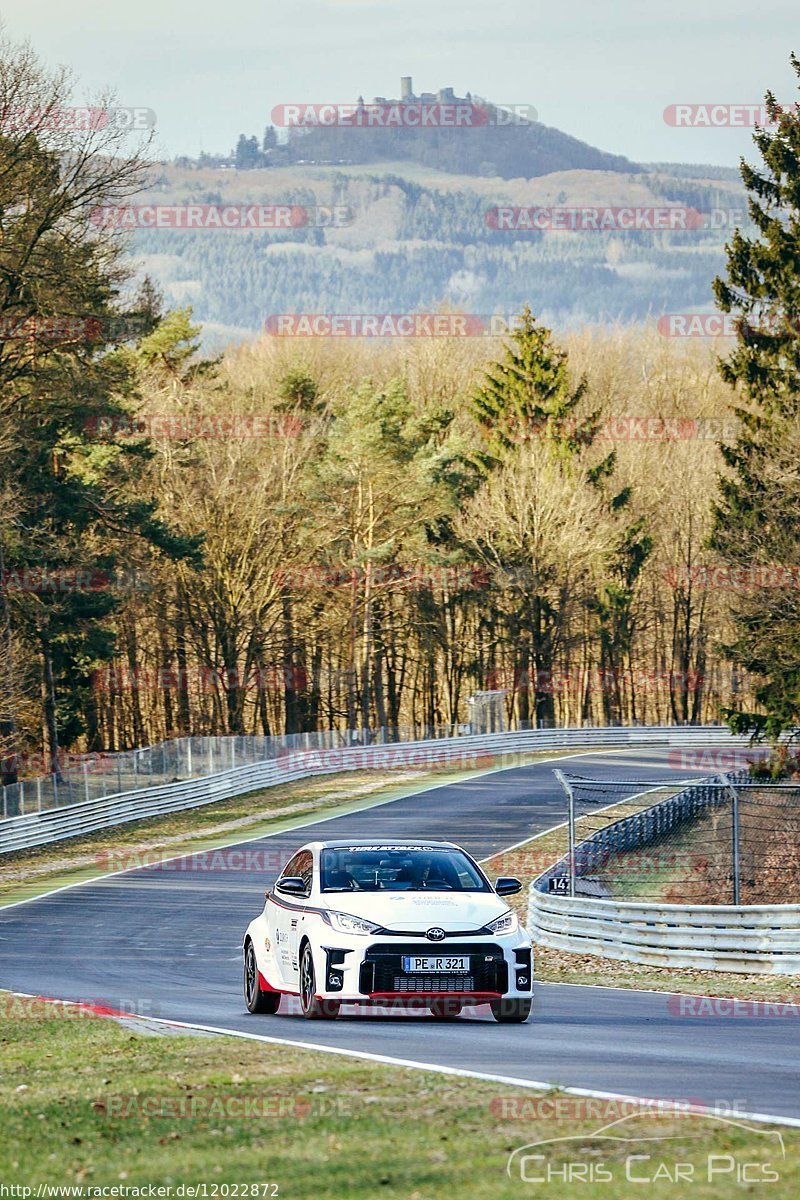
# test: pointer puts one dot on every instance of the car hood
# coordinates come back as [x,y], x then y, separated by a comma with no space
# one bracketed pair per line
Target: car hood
[419,911]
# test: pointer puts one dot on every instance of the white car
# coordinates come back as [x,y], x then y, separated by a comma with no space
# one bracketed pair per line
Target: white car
[353,922]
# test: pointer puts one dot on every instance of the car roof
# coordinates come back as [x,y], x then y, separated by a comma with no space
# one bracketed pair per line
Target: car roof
[382,844]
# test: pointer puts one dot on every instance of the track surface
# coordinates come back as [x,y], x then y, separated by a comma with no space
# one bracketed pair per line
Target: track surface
[166,941]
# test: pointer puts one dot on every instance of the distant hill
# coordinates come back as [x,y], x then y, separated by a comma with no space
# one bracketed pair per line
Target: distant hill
[503,143]
[524,151]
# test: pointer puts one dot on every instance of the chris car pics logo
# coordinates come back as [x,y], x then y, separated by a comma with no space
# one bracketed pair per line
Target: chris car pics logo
[633,1153]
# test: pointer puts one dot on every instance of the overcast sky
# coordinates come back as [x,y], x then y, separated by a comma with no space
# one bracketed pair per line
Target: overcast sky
[603,73]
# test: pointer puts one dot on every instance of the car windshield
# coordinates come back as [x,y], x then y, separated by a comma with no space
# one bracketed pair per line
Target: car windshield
[399,869]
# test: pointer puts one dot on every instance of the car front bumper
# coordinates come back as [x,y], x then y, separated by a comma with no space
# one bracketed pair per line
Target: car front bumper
[371,971]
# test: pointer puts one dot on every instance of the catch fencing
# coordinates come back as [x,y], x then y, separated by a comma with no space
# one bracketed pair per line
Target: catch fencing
[298,756]
[684,866]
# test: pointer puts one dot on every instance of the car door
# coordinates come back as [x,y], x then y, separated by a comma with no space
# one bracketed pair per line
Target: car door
[286,917]
[303,869]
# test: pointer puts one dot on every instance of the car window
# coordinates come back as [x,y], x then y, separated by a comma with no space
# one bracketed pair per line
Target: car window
[290,870]
[399,869]
[300,866]
[304,868]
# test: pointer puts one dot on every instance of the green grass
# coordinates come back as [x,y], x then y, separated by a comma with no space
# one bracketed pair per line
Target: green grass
[330,1127]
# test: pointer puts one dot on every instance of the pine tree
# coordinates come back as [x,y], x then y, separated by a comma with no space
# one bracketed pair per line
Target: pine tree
[527,399]
[755,519]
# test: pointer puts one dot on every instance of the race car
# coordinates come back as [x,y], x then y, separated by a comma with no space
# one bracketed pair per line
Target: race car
[370,923]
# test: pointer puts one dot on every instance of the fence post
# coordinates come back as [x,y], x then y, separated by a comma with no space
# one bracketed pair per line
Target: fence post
[735,834]
[571,826]
[85,781]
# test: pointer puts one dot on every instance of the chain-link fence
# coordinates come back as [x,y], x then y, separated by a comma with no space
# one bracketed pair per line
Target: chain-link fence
[95,776]
[725,840]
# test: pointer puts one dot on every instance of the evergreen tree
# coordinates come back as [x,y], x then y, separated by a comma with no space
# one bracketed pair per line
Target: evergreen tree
[527,397]
[528,394]
[755,523]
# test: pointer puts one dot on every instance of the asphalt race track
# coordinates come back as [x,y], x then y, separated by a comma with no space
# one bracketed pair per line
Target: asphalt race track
[166,941]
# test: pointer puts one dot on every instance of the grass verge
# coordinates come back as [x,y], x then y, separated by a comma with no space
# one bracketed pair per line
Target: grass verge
[91,1103]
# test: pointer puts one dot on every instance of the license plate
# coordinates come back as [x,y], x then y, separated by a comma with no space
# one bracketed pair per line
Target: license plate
[414,965]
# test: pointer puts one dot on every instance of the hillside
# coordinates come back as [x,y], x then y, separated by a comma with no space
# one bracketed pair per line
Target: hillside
[419,239]
[526,151]
[462,135]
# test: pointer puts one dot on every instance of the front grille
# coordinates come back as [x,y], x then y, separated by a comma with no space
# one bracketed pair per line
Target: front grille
[433,983]
[382,970]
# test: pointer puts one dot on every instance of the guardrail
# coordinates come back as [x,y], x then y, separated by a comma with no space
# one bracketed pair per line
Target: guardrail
[89,816]
[763,938]
[94,776]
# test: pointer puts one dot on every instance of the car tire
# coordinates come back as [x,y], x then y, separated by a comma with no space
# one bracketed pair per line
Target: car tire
[446,1010]
[256,999]
[511,1012]
[313,1008]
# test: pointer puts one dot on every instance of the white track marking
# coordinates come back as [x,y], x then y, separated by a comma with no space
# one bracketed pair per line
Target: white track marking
[438,1068]
[511,1081]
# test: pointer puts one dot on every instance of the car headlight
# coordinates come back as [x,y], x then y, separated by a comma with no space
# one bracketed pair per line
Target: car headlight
[347,924]
[507,923]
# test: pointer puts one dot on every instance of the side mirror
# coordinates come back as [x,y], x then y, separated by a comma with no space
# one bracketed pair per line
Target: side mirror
[507,887]
[292,885]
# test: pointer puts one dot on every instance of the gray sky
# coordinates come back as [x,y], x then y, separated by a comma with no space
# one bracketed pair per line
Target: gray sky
[603,73]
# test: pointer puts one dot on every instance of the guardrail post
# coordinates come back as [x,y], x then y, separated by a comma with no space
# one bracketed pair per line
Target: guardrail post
[571,827]
[734,834]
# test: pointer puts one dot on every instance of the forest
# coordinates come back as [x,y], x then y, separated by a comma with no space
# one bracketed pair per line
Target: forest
[346,533]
